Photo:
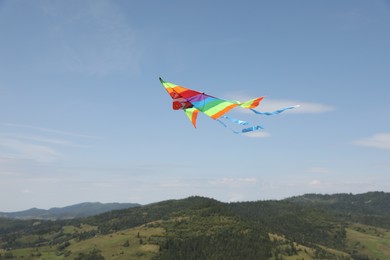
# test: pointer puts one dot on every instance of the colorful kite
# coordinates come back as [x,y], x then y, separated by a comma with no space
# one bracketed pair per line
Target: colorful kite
[192,102]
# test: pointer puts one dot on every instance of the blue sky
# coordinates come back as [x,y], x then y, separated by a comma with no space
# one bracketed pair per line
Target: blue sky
[83,116]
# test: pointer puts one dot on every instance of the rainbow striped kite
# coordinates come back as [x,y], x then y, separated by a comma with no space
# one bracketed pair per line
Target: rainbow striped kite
[192,102]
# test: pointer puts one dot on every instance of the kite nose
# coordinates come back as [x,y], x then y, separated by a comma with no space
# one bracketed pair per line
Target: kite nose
[177,105]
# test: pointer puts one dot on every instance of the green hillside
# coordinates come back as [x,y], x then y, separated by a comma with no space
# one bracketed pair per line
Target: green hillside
[372,208]
[203,228]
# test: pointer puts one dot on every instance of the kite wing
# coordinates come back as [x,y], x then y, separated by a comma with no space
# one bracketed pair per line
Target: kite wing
[192,102]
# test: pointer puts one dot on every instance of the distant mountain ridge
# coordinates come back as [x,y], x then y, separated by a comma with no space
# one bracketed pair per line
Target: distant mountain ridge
[85,209]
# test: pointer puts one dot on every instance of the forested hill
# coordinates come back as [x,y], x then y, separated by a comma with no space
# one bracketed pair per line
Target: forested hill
[366,203]
[305,227]
[74,211]
[371,208]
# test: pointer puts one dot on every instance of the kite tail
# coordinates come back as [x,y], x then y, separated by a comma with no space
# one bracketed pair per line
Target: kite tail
[236,121]
[274,112]
[249,129]
[240,122]
[256,127]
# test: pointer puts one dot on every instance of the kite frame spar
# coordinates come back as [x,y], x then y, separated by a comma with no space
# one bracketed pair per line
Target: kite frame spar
[192,102]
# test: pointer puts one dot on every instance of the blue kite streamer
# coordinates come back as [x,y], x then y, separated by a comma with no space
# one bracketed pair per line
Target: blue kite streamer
[274,112]
[236,121]
[240,122]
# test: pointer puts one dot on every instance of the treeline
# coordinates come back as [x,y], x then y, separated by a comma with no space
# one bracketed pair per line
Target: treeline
[370,203]
[40,233]
[122,219]
[225,244]
[371,208]
[305,225]
[209,230]
[12,230]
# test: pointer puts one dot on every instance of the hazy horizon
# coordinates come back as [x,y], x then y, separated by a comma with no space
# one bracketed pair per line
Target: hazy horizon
[177,199]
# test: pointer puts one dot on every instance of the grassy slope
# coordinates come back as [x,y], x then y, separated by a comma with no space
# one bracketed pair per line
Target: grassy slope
[303,252]
[141,244]
[111,245]
[371,241]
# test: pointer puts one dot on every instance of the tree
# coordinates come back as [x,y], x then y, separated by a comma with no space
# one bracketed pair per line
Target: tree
[94,254]
[126,243]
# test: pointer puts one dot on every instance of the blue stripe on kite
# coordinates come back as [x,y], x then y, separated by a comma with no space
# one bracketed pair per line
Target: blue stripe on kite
[200,104]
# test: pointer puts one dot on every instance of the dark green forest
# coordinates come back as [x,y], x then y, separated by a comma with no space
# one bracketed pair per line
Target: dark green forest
[312,225]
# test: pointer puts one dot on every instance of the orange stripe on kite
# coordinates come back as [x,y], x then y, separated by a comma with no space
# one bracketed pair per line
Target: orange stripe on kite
[194,116]
[223,111]
[256,102]
[252,103]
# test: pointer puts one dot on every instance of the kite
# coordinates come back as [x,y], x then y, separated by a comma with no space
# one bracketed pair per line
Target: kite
[192,102]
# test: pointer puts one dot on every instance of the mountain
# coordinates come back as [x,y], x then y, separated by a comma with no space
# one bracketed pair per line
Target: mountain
[74,211]
[311,226]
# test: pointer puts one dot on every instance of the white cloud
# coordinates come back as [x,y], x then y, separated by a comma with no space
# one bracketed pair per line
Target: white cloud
[380,141]
[314,183]
[26,191]
[257,134]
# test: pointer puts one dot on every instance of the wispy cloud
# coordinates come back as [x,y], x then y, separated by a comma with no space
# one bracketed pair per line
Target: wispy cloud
[235,182]
[221,182]
[105,43]
[380,141]
[28,151]
[48,130]
[319,170]
[6,172]
[40,139]
[37,144]
[259,134]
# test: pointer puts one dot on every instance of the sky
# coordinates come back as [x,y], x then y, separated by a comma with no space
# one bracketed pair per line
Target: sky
[83,116]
